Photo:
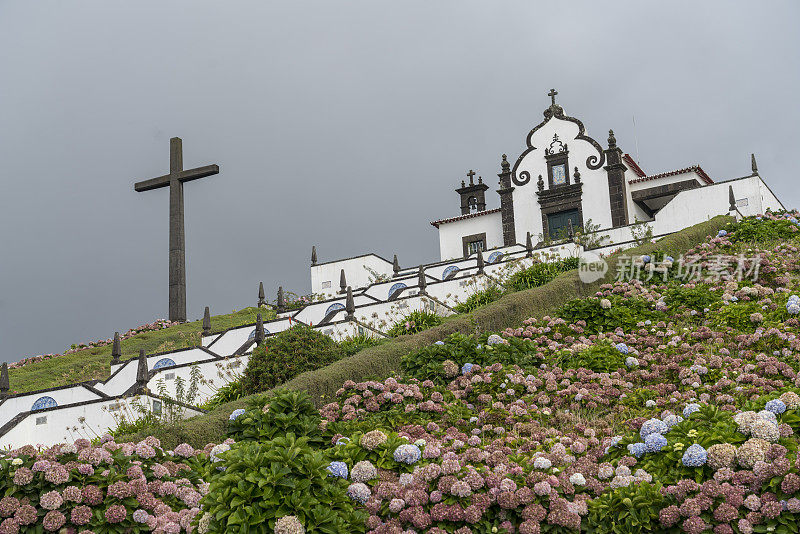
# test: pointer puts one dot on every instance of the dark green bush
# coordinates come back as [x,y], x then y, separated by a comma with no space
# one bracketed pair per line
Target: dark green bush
[228,393]
[539,274]
[751,229]
[263,482]
[414,322]
[628,510]
[356,344]
[277,414]
[479,299]
[286,355]
[624,313]
[601,358]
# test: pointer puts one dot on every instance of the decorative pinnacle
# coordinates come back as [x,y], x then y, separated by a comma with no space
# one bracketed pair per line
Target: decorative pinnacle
[570,229]
[552,94]
[342,282]
[612,141]
[4,385]
[505,165]
[281,300]
[731,199]
[480,179]
[528,246]
[206,321]
[261,301]
[753,163]
[463,184]
[116,349]
[313,255]
[142,375]
[423,282]
[540,183]
[349,304]
[577,175]
[259,330]
[395,265]
[480,261]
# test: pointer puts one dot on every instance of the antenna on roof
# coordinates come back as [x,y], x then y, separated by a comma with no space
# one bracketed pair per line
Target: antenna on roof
[635,138]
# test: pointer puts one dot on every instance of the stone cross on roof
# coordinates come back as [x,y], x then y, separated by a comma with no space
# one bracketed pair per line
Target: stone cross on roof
[177,244]
[552,94]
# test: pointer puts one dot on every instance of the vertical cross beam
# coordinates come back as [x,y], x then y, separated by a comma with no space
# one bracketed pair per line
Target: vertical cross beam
[177,244]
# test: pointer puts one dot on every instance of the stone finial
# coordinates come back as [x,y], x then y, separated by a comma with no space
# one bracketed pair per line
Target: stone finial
[281,300]
[753,163]
[423,282]
[540,183]
[206,321]
[505,166]
[480,261]
[142,374]
[396,265]
[313,255]
[731,199]
[480,179]
[463,183]
[342,282]
[259,329]
[4,384]
[612,141]
[261,296]
[577,175]
[350,304]
[116,349]
[570,229]
[528,246]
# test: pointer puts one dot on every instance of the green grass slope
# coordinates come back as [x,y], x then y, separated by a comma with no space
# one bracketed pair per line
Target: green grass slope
[384,359]
[93,363]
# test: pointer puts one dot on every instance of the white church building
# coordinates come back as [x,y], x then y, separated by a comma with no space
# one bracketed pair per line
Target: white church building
[560,182]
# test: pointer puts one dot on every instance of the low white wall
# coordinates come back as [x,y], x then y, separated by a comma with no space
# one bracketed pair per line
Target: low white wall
[450,234]
[325,277]
[22,403]
[214,373]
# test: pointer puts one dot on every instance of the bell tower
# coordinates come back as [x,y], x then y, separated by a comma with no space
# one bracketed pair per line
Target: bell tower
[473,196]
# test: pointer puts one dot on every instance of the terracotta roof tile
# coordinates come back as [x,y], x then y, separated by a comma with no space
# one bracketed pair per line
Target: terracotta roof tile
[693,168]
[463,217]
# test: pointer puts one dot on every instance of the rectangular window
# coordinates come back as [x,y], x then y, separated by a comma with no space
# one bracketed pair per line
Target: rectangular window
[558,223]
[742,202]
[326,284]
[41,420]
[157,407]
[360,330]
[169,376]
[474,246]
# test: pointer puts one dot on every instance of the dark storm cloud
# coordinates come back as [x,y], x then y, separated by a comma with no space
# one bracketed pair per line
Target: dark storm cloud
[340,124]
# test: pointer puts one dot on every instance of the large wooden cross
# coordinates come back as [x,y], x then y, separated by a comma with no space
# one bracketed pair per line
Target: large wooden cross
[177,244]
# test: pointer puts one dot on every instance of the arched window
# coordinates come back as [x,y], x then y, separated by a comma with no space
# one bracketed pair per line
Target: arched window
[472,202]
[44,402]
[333,307]
[164,362]
[450,272]
[396,287]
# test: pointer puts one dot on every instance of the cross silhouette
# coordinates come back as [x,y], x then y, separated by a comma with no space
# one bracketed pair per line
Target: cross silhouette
[471,173]
[552,94]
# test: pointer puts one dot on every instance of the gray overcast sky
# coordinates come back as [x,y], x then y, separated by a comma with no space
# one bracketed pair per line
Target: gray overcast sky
[341,124]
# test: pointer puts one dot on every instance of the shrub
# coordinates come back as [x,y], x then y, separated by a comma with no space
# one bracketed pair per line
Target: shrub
[752,229]
[630,509]
[282,412]
[262,482]
[601,358]
[479,299]
[286,355]
[228,393]
[414,322]
[539,274]
[623,313]
[356,344]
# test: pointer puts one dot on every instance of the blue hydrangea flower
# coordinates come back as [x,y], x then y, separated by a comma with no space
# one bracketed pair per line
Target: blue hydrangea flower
[494,339]
[630,361]
[637,449]
[690,409]
[768,416]
[655,442]
[794,298]
[652,426]
[235,414]
[793,220]
[775,406]
[722,233]
[648,322]
[342,441]
[793,308]
[407,454]
[622,347]
[466,368]
[439,343]
[646,258]
[614,442]
[695,456]
[672,420]
[669,259]
[338,470]
[734,299]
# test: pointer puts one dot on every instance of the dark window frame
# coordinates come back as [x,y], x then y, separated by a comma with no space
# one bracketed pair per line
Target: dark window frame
[467,239]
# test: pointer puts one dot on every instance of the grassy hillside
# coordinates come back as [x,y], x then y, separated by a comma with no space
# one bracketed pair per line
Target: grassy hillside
[383,360]
[93,363]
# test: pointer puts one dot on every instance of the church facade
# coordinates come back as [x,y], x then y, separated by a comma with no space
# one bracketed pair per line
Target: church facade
[565,182]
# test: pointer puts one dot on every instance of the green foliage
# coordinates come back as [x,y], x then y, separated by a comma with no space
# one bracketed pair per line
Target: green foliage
[356,344]
[751,229]
[695,298]
[382,456]
[228,393]
[427,363]
[286,355]
[479,299]
[263,482]
[539,274]
[628,510]
[414,322]
[602,358]
[624,313]
[282,412]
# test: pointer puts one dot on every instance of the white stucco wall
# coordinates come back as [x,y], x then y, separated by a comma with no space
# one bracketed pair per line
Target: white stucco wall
[354,269]
[22,403]
[450,234]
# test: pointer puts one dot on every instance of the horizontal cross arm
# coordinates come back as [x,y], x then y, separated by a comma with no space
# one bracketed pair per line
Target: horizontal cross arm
[153,183]
[199,172]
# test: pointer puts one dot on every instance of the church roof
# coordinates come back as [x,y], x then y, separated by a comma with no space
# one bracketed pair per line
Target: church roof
[693,168]
[629,161]
[462,217]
